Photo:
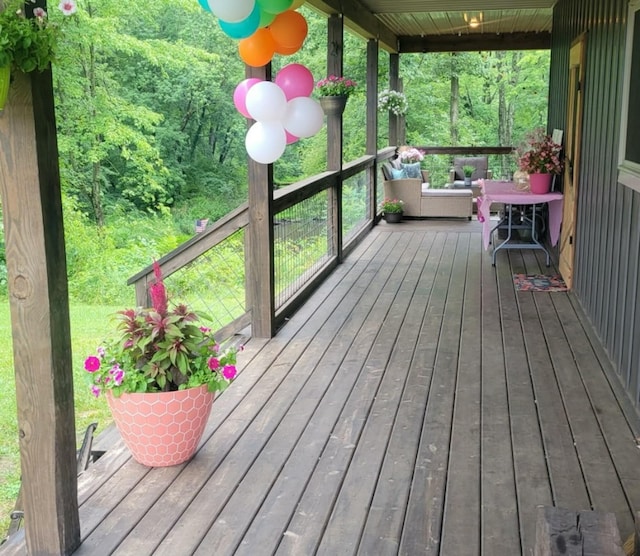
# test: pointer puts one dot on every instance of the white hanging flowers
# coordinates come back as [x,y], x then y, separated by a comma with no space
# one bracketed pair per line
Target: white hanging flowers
[393,101]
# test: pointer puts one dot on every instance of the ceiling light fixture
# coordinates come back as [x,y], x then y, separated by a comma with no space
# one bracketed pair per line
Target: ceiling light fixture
[473,20]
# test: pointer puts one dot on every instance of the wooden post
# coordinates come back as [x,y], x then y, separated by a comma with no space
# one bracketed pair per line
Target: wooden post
[372,121]
[259,259]
[38,295]
[394,84]
[335,45]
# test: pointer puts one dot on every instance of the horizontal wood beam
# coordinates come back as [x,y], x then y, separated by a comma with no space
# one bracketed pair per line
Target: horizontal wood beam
[466,150]
[360,20]
[475,42]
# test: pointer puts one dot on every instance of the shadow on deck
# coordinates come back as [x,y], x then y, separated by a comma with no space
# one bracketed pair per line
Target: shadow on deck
[417,404]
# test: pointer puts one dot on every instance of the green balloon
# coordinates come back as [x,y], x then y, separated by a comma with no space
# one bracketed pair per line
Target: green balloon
[275,6]
[266,18]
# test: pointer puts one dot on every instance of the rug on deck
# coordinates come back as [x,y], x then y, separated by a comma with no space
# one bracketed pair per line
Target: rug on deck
[539,283]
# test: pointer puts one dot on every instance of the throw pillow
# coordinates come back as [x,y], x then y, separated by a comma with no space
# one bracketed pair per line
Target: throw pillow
[413,170]
[398,174]
[386,171]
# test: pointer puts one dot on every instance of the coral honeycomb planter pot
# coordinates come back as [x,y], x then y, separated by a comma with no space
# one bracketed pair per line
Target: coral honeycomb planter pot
[162,428]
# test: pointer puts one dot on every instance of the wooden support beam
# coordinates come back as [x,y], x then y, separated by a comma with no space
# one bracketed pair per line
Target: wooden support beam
[259,259]
[475,42]
[38,297]
[372,121]
[335,48]
[395,85]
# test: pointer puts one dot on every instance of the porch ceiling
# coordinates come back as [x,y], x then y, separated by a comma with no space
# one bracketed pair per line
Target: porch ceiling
[441,25]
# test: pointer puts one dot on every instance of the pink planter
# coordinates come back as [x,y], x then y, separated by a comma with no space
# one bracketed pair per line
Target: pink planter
[163,428]
[540,183]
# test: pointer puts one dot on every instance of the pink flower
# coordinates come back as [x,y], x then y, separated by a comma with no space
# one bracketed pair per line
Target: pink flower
[91,364]
[67,7]
[213,363]
[39,12]
[158,292]
[229,372]
[117,373]
[95,390]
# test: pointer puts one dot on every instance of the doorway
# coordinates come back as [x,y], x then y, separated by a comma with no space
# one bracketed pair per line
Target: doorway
[571,174]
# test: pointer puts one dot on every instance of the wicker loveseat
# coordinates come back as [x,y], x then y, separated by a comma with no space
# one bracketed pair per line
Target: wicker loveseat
[422,201]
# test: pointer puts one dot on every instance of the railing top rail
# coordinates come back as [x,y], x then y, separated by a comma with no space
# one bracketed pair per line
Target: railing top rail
[466,150]
[198,244]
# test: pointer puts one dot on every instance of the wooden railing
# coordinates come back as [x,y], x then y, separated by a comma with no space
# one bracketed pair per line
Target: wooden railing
[305,252]
[187,269]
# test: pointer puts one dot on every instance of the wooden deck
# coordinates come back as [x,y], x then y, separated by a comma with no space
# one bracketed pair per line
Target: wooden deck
[417,404]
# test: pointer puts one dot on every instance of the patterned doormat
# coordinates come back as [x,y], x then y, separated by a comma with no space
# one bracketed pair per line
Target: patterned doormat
[539,283]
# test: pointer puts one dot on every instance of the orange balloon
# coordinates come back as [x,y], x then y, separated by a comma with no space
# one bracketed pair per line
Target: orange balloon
[258,49]
[289,29]
[287,51]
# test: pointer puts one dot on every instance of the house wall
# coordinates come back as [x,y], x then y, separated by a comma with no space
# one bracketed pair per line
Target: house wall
[607,260]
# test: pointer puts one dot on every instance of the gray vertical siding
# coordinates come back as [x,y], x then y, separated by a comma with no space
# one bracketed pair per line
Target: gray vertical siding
[607,265]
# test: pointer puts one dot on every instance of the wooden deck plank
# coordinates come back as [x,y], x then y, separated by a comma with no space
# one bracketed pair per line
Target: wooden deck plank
[593,454]
[423,522]
[461,524]
[417,404]
[499,515]
[530,469]
[567,485]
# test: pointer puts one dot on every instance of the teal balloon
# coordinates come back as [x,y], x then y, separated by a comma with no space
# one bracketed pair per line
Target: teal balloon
[204,5]
[275,6]
[245,28]
[266,18]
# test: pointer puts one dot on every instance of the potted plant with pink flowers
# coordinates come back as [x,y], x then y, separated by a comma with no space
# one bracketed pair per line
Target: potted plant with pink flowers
[160,374]
[541,160]
[334,93]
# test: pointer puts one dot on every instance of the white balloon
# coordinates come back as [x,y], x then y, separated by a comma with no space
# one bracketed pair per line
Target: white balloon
[304,117]
[266,102]
[265,141]
[232,11]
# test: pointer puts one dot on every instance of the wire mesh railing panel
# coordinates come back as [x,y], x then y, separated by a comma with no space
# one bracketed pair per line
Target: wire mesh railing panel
[302,244]
[355,198]
[214,283]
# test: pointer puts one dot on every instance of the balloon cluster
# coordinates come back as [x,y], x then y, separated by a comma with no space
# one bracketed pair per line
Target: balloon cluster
[283,110]
[264,27]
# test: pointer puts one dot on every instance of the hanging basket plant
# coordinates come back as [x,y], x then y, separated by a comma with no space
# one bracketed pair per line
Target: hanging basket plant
[393,101]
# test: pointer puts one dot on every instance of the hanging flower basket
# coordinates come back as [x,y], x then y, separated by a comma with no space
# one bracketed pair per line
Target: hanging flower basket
[393,101]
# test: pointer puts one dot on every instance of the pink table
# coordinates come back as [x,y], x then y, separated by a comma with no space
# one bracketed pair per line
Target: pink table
[506,192]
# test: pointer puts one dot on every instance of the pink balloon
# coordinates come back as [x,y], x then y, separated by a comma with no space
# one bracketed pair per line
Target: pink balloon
[240,95]
[291,138]
[295,80]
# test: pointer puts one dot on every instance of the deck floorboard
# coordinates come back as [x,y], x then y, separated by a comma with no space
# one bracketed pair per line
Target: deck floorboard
[416,404]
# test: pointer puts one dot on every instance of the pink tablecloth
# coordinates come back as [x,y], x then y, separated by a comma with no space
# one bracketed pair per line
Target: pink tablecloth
[506,192]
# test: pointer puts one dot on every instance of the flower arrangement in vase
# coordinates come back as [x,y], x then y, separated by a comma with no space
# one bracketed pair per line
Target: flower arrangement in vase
[393,101]
[161,355]
[410,158]
[28,43]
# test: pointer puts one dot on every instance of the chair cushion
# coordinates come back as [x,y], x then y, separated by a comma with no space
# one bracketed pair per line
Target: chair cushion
[480,163]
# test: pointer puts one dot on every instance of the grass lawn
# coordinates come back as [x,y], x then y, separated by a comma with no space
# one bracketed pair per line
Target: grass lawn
[89,325]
